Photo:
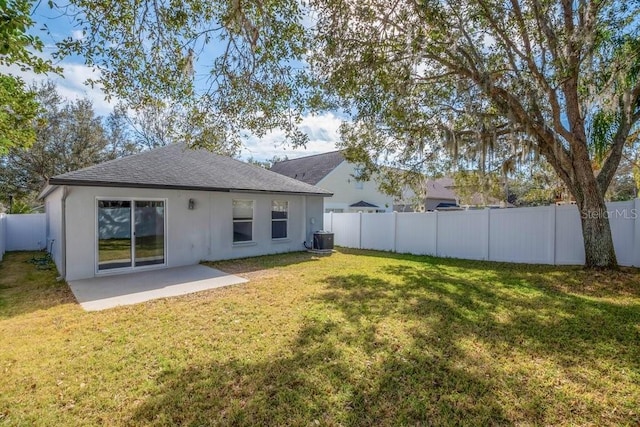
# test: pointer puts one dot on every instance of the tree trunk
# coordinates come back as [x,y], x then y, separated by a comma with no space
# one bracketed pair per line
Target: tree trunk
[576,172]
[596,230]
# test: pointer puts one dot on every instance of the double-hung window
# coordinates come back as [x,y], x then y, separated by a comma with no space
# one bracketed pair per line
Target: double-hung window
[242,221]
[279,219]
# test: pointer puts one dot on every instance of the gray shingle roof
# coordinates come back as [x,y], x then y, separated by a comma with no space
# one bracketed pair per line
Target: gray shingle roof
[310,169]
[435,190]
[178,167]
[363,204]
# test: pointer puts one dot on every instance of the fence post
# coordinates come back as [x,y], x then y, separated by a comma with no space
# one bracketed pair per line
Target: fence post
[552,233]
[437,254]
[488,235]
[331,221]
[636,232]
[360,230]
[395,231]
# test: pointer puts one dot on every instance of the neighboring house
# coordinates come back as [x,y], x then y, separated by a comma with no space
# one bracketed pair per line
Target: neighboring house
[437,197]
[333,173]
[476,200]
[173,206]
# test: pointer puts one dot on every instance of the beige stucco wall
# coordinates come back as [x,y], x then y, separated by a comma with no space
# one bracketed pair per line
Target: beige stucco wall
[345,191]
[204,233]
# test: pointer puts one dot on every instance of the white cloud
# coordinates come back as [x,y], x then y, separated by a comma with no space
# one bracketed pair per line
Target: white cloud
[77,35]
[323,132]
[72,86]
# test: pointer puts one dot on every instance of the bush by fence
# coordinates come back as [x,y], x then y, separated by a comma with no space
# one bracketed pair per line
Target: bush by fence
[539,235]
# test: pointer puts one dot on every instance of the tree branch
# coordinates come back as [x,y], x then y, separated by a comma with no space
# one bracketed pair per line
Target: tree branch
[628,119]
[528,58]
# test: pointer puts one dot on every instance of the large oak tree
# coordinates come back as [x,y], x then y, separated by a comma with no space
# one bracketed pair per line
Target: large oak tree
[559,77]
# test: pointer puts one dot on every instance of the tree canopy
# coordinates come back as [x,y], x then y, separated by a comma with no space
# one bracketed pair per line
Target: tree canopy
[221,67]
[69,136]
[17,45]
[18,108]
[18,48]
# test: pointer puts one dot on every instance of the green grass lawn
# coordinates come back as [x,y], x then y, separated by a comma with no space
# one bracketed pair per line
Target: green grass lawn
[356,338]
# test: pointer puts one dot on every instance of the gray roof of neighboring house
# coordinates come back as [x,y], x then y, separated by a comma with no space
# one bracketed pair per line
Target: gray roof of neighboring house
[177,167]
[446,181]
[309,169]
[363,204]
[435,190]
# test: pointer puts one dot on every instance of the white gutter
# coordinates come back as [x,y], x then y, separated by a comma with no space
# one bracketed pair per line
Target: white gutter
[63,234]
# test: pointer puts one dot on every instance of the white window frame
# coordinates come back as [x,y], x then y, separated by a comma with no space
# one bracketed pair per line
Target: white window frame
[252,221]
[285,220]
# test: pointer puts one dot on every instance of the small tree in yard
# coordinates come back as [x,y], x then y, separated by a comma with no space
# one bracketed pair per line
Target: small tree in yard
[558,77]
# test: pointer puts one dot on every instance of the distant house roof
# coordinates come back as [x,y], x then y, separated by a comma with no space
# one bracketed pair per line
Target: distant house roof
[446,182]
[177,167]
[363,204]
[435,190]
[309,169]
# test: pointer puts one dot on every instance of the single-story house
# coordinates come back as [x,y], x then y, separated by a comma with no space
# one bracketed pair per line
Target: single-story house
[174,206]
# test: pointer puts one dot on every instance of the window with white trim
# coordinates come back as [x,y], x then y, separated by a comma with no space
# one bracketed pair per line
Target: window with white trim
[242,221]
[279,219]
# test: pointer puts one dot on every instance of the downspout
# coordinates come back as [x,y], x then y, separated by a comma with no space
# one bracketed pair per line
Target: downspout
[63,235]
[305,221]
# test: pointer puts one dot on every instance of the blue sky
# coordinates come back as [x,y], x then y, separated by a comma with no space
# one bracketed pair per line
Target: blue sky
[322,130]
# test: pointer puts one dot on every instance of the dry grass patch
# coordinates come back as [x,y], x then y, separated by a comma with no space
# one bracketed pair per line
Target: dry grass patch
[357,338]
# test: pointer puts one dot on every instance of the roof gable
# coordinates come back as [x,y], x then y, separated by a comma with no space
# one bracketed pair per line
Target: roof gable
[363,204]
[309,169]
[176,166]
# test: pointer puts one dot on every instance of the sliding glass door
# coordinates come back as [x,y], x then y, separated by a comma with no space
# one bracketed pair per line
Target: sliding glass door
[149,232]
[114,234]
[130,233]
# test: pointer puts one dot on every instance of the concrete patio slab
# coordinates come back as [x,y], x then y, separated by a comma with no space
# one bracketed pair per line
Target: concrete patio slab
[100,293]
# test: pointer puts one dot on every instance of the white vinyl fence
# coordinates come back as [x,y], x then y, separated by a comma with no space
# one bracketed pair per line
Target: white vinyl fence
[540,235]
[26,232]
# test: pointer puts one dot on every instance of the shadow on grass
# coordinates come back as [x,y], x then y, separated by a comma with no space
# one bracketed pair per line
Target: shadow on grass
[436,342]
[315,383]
[507,316]
[502,309]
[26,287]
[571,278]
